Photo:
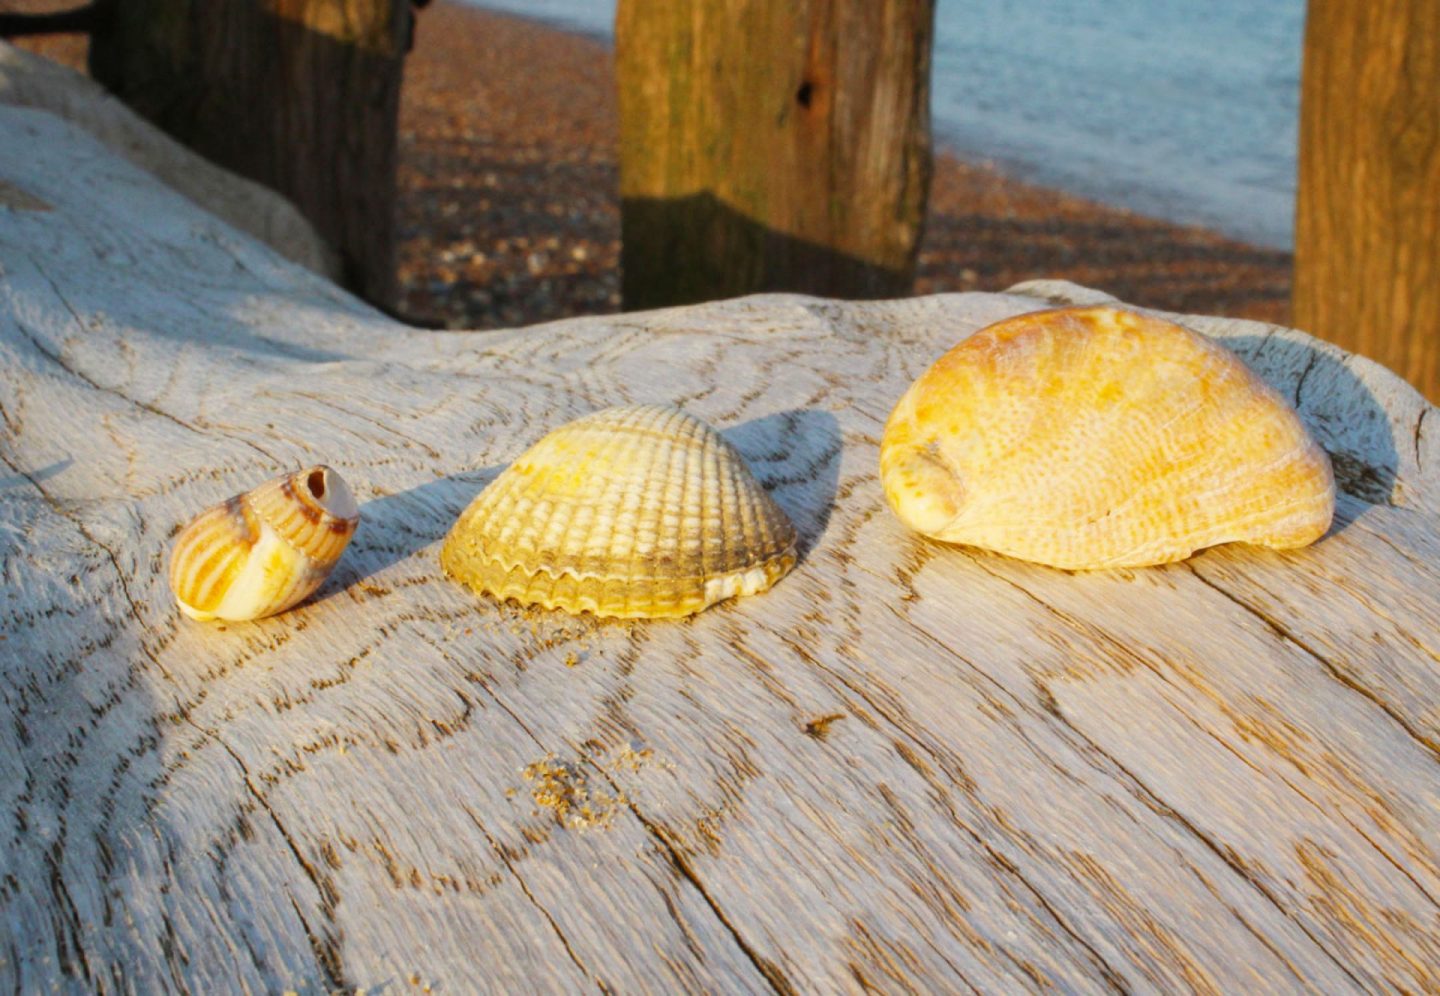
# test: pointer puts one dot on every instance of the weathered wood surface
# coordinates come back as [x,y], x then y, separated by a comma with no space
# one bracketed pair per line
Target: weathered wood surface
[906,767]
[28,80]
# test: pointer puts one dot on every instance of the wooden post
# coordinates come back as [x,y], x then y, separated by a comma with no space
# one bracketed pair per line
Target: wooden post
[1367,227]
[79,19]
[768,145]
[300,95]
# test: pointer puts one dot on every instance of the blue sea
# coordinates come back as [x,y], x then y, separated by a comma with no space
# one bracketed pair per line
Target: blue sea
[1185,110]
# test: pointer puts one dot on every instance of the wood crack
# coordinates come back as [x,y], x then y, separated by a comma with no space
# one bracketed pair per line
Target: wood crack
[768,970]
[183,709]
[1112,977]
[1420,564]
[1419,426]
[325,948]
[1164,809]
[430,451]
[321,948]
[1430,745]
[58,888]
[1147,795]
[1320,809]
[1305,375]
[58,360]
[71,954]
[90,382]
[525,888]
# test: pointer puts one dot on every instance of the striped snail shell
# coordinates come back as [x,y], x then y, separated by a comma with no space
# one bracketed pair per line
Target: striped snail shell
[263,551]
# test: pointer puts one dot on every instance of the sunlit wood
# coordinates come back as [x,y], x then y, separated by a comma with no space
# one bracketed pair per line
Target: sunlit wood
[1367,227]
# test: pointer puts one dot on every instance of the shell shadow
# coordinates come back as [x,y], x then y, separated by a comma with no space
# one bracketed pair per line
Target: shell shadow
[1339,410]
[29,479]
[399,525]
[795,455]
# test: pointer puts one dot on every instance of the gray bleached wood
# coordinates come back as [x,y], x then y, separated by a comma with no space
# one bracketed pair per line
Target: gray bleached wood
[907,766]
[28,80]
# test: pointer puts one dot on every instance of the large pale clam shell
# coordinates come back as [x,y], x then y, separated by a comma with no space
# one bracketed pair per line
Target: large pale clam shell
[632,512]
[265,550]
[1094,437]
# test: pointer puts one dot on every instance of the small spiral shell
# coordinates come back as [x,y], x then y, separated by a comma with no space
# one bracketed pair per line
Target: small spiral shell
[263,551]
[634,512]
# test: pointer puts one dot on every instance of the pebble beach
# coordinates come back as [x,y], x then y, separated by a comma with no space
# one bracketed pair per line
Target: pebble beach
[510,209]
[509,197]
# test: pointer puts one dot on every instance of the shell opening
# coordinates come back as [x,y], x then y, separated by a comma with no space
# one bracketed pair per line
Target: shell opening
[331,492]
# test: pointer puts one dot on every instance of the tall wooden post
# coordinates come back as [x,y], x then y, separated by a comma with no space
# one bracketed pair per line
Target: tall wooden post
[300,95]
[772,145]
[1367,226]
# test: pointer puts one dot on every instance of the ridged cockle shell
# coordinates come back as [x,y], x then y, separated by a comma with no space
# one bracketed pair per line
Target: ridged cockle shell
[265,550]
[635,512]
[1093,437]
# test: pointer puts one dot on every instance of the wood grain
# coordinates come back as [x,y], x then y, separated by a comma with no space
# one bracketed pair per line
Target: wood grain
[1367,220]
[772,147]
[908,767]
[302,96]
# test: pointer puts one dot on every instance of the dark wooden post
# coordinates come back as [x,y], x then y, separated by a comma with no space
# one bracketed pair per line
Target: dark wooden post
[76,19]
[772,145]
[300,95]
[1367,226]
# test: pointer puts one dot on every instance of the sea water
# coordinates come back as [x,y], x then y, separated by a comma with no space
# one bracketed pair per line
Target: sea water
[1185,110]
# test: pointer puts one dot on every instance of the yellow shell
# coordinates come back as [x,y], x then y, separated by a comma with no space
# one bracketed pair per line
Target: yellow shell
[1091,437]
[636,512]
[265,550]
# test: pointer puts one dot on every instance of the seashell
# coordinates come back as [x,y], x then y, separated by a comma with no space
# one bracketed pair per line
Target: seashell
[265,550]
[1091,437]
[634,512]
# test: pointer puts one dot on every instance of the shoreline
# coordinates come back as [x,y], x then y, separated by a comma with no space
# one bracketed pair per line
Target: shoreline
[1242,213]
[508,196]
[481,82]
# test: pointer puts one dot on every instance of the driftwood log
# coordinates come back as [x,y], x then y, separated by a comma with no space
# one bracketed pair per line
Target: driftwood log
[908,767]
